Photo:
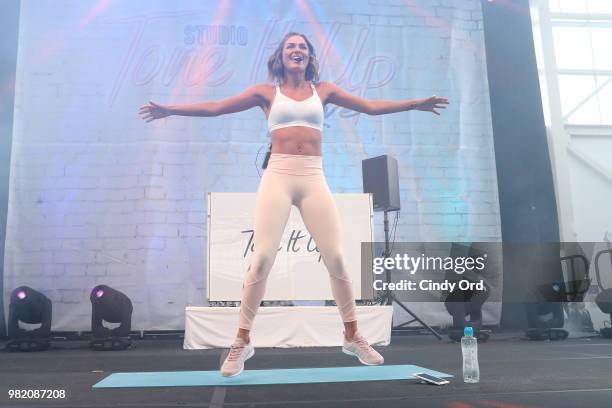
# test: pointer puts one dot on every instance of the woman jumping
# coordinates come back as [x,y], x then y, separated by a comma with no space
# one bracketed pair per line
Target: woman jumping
[294,176]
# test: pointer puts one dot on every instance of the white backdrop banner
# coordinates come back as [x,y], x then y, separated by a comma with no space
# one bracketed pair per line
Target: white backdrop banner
[298,272]
[97,196]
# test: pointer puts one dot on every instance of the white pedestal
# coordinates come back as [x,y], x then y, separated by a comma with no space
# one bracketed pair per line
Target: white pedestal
[289,326]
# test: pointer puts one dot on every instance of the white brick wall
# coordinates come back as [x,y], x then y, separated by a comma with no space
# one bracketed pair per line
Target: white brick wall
[98,196]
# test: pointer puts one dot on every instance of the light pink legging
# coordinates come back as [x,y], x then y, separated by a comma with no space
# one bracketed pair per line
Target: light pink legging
[295,180]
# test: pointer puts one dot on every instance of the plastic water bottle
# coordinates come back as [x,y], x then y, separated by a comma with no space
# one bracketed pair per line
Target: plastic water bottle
[469,349]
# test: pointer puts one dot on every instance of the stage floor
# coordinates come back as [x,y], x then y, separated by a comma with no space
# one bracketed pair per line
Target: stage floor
[514,374]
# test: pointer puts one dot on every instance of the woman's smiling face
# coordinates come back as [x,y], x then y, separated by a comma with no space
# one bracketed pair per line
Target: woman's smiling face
[295,54]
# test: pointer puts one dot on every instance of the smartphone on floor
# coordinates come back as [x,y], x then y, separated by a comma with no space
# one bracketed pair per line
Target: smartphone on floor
[431,379]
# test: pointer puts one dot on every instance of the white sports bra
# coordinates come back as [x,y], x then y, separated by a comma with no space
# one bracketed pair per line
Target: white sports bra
[286,112]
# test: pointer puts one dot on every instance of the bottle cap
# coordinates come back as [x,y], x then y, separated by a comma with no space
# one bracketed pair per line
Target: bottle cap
[468,331]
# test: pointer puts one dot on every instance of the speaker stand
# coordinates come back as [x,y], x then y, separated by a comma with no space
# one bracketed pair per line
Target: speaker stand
[388,297]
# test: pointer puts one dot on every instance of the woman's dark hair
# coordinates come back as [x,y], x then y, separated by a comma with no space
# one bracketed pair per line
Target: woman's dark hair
[276,69]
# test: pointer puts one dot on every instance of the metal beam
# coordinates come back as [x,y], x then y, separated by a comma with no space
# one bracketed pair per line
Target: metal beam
[580,16]
[586,99]
[558,139]
[585,158]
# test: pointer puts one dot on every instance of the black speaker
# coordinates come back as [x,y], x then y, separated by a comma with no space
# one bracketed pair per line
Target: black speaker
[380,178]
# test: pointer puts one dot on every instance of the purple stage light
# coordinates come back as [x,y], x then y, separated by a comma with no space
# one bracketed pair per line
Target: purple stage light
[99,293]
[21,295]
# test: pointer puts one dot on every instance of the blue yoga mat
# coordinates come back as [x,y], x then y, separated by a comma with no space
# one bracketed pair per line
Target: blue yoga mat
[261,377]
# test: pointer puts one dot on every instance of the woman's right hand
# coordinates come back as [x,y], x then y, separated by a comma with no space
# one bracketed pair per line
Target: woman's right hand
[152,111]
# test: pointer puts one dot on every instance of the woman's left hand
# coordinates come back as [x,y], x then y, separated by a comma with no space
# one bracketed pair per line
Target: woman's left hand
[431,104]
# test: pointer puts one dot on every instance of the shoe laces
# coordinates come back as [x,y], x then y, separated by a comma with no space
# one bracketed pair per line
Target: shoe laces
[362,343]
[235,352]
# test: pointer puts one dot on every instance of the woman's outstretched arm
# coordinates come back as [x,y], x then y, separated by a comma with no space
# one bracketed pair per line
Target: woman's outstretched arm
[340,97]
[252,97]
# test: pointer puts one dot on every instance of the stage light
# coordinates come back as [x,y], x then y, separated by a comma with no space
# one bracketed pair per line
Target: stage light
[112,306]
[604,302]
[31,307]
[545,317]
[463,303]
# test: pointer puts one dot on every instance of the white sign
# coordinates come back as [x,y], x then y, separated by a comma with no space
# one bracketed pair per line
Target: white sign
[298,272]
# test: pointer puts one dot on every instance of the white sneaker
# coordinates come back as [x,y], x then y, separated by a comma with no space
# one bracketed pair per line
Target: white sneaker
[360,348]
[239,353]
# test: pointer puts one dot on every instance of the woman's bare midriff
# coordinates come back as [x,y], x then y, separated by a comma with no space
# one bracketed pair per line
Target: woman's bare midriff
[297,140]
